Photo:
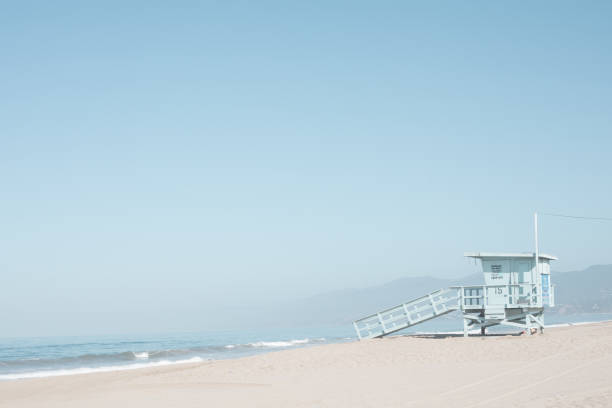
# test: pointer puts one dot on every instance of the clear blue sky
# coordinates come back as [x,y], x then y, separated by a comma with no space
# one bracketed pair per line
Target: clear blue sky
[159,160]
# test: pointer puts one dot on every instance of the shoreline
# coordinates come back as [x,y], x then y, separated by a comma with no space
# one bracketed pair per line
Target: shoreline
[138,365]
[563,366]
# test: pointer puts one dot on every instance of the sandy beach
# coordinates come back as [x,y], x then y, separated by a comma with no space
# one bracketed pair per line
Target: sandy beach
[564,367]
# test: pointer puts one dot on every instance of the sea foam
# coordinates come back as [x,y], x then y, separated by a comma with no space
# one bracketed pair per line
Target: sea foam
[141,356]
[87,370]
[276,344]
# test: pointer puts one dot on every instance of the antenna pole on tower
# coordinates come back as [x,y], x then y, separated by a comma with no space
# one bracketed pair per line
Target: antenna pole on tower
[537,250]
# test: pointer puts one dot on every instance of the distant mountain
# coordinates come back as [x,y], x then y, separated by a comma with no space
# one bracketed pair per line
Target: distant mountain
[584,291]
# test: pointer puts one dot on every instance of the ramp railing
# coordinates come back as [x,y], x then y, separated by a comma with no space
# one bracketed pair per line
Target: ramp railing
[408,314]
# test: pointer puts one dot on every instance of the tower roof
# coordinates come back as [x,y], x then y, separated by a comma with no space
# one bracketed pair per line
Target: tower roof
[481,255]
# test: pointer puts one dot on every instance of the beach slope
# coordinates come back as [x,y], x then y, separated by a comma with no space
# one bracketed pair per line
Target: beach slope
[564,367]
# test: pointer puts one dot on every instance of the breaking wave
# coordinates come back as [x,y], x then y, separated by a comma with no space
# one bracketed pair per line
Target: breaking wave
[141,356]
[277,344]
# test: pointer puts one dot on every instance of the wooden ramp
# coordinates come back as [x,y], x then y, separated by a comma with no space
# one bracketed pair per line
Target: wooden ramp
[408,314]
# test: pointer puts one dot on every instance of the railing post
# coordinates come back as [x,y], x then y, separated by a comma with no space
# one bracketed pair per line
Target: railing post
[357,330]
[485,298]
[433,304]
[382,324]
[407,313]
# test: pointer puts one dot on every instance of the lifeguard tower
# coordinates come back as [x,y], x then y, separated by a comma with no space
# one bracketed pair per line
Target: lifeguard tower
[517,288]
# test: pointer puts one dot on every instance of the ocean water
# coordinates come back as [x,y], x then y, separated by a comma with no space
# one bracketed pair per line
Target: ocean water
[32,357]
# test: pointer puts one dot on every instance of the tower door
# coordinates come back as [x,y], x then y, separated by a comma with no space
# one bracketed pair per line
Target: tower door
[521,280]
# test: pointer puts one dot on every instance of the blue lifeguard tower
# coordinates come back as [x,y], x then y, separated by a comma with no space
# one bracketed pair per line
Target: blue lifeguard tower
[516,290]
